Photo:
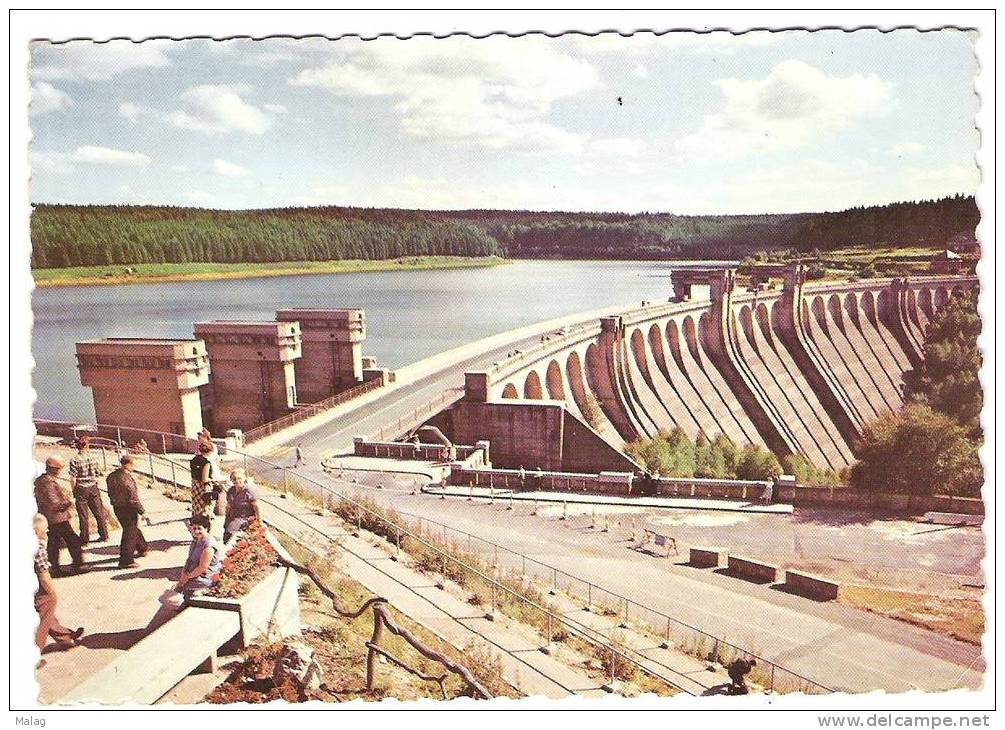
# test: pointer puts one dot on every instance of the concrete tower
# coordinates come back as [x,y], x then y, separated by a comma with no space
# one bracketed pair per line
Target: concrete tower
[146,383]
[253,378]
[332,360]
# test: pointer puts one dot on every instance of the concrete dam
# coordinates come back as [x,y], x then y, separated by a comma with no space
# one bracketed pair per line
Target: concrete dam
[799,368]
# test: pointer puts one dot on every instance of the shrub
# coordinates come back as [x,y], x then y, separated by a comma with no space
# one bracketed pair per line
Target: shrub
[918,451]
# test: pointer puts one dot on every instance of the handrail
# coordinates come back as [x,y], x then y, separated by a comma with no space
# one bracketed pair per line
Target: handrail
[589,585]
[588,634]
[382,620]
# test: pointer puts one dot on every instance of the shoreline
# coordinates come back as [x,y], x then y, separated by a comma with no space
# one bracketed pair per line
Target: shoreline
[286,268]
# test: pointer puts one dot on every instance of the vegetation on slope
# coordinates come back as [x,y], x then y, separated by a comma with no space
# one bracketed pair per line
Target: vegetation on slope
[931,445]
[99,235]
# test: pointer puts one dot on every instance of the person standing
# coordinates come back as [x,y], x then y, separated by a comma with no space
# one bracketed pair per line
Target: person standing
[299,456]
[45,596]
[242,505]
[202,479]
[126,504]
[55,505]
[85,469]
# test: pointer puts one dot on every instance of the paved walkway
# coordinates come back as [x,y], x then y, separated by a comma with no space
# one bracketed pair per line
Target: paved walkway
[678,503]
[117,607]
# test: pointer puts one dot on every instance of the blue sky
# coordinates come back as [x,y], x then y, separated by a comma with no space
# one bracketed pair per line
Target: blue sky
[707,123]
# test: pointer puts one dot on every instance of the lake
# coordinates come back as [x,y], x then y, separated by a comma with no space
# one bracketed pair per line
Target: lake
[410,314]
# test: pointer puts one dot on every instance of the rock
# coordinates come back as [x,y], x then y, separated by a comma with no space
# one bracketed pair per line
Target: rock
[296,664]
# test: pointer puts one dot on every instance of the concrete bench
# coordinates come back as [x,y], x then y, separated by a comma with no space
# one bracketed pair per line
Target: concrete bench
[147,671]
[752,570]
[706,557]
[811,586]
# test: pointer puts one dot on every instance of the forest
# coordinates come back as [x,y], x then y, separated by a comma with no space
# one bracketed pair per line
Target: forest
[70,235]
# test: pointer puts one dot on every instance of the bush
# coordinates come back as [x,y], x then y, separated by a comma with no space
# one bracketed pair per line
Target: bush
[758,464]
[918,451]
[592,412]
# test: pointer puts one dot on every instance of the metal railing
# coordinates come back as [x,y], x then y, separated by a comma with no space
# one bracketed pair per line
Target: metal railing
[674,632]
[498,590]
[309,410]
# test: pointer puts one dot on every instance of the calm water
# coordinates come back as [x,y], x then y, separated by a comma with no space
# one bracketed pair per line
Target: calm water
[410,314]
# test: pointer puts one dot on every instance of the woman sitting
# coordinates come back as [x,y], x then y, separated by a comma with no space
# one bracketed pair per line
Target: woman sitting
[205,559]
[242,505]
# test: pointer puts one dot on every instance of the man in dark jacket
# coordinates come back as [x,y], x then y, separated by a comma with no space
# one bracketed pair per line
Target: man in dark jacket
[125,499]
[738,669]
[55,504]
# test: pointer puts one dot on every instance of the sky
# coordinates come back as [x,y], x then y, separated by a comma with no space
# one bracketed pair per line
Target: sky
[682,122]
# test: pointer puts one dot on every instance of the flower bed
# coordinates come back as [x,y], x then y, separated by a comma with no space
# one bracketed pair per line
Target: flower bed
[249,561]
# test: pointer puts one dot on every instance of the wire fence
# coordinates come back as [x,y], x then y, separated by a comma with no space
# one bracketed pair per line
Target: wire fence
[439,537]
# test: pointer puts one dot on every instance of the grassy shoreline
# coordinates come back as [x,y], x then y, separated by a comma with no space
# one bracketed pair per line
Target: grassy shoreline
[203,271]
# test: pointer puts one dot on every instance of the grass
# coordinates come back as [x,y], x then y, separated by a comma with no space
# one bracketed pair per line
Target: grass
[958,617]
[206,271]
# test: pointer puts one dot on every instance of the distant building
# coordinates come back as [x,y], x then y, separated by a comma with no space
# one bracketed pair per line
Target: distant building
[947,262]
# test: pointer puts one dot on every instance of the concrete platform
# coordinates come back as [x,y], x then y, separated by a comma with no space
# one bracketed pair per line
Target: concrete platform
[674,503]
[117,607]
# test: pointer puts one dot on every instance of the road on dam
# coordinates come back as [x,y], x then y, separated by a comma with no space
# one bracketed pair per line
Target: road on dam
[835,645]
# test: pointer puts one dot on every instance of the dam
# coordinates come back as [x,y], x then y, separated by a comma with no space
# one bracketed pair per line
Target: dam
[796,367]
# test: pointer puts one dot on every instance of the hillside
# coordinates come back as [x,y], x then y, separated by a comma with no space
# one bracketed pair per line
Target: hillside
[65,236]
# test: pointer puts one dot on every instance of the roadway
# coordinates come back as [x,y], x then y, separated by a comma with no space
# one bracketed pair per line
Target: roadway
[832,644]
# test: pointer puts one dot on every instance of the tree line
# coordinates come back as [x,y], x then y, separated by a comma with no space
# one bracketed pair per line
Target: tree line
[68,235]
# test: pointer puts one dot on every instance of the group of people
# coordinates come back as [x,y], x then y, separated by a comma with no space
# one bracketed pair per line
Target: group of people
[56,505]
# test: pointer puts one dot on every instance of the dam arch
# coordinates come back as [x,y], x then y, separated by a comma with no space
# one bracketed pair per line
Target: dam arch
[553,381]
[510,391]
[532,386]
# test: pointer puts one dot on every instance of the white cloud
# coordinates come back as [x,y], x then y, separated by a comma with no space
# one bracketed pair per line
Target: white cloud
[275,108]
[219,109]
[179,168]
[49,161]
[95,155]
[640,71]
[46,98]
[796,104]
[496,92]
[90,61]
[130,111]
[905,149]
[228,169]
[62,163]
[619,147]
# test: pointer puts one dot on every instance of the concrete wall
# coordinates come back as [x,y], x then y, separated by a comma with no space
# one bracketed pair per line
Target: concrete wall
[799,368]
[522,433]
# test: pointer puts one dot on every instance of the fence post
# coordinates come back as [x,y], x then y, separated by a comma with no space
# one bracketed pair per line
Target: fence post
[589,596]
[245,464]
[624,624]
[174,480]
[164,446]
[104,460]
[371,657]
[771,682]
[397,543]
[152,475]
[554,582]
[666,642]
